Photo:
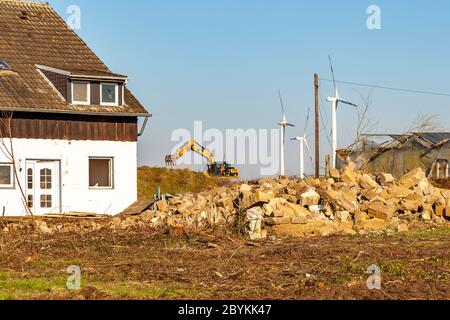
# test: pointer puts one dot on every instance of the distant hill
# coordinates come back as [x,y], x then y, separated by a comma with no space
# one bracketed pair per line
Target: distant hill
[173,181]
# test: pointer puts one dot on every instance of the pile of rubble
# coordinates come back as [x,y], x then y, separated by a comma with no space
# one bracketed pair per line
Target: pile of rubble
[347,203]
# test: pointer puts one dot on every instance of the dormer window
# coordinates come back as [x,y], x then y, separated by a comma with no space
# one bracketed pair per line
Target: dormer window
[109,94]
[81,92]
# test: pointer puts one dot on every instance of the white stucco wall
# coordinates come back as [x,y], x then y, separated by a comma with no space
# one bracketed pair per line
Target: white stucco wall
[76,196]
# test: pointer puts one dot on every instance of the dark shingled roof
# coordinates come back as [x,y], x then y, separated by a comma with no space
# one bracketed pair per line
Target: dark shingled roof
[43,38]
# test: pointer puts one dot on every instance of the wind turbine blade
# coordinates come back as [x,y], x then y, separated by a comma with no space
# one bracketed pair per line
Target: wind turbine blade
[347,102]
[290,125]
[309,151]
[307,121]
[332,74]
[284,134]
[281,102]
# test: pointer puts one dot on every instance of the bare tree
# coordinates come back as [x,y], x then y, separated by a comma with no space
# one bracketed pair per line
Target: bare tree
[364,123]
[7,148]
[425,123]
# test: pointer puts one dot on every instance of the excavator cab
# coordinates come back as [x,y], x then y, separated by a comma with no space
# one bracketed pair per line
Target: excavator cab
[222,170]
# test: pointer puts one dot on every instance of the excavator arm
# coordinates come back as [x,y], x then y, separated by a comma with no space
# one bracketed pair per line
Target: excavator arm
[193,146]
[222,170]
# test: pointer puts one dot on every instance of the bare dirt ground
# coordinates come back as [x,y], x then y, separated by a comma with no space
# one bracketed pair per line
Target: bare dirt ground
[149,265]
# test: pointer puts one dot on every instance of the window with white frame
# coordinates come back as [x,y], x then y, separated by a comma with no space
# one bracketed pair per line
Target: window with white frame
[6,175]
[100,173]
[81,92]
[109,94]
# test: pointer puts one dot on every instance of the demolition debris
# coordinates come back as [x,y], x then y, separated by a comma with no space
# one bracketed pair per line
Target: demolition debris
[348,203]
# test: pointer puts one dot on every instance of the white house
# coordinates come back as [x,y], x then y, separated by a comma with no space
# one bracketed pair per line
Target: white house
[68,125]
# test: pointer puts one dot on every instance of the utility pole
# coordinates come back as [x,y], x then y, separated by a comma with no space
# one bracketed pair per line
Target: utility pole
[316,94]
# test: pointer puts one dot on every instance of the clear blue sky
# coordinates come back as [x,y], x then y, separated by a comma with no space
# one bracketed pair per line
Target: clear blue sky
[222,61]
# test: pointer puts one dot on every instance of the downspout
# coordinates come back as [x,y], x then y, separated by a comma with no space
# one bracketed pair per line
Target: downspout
[144,125]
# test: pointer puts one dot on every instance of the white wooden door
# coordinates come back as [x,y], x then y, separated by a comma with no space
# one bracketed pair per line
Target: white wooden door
[43,186]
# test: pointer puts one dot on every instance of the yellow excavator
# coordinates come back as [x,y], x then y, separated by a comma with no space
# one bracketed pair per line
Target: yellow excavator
[215,169]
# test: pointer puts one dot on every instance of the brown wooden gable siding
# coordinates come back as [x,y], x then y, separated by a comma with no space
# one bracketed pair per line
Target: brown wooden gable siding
[95,93]
[120,95]
[73,127]
[60,82]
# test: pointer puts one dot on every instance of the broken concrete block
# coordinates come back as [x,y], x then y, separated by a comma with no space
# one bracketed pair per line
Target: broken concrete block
[255,216]
[386,179]
[315,228]
[350,196]
[369,194]
[261,196]
[335,174]
[371,225]
[297,209]
[399,192]
[299,220]
[439,210]
[245,188]
[161,205]
[393,202]
[413,197]
[342,216]
[246,199]
[349,177]
[309,198]
[284,212]
[277,221]
[278,213]
[426,215]
[381,211]
[412,178]
[332,194]
[290,198]
[344,203]
[277,203]
[268,210]
[447,212]
[366,182]
[317,208]
[409,205]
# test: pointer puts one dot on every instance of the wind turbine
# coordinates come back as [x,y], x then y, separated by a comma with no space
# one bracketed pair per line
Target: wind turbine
[303,142]
[334,105]
[283,124]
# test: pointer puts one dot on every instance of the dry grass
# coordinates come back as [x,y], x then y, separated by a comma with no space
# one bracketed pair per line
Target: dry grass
[173,181]
[153,265]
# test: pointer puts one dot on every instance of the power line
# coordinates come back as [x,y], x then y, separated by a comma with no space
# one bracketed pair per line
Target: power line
[322,117]
[442,94]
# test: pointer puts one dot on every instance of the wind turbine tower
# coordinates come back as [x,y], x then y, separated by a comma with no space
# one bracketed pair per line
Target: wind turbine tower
[303,143]
[283,124]
[334,106]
